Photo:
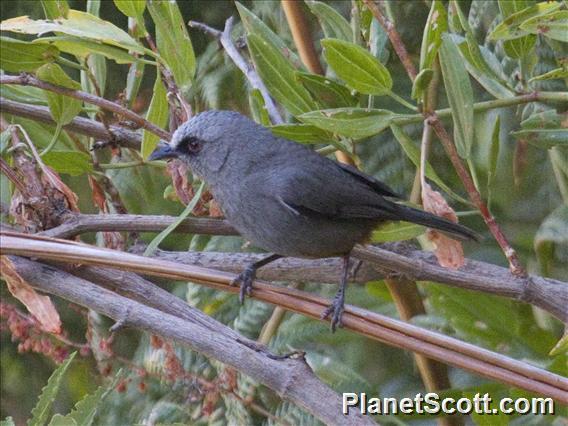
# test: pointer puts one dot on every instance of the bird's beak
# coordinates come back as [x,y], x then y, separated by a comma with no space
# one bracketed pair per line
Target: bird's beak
[163,151]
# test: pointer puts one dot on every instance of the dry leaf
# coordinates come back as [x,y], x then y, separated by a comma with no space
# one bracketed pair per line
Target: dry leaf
[448,251]
[40,307]
[178,171]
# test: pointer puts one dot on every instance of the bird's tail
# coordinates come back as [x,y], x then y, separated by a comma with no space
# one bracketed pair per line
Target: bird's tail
[409,214]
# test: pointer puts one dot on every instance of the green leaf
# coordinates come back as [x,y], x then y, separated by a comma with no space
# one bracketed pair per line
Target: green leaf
[328,92]
[133,81]
[489,80]
[545,138]
[83,48]
[41,411]
[396,231]
[552,232]
[552,25]
[548,119]
[254,25]
[73,163]
[459,93]
[561,72]
[510,29]
[303,133]
[333,24]
[436,25]
[279,76]
[258,108]
[78,24]
[413,154]
[5,138]
[84,412]
[421,83]
[162,235]
[522,46]
[55,8]
[63,108]
[131,8]
[174,44]
[21,56]
[357,123]
[24,94]
[357,67]
[157,114]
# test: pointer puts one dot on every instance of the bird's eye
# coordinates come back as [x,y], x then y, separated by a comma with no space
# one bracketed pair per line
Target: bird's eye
[192,145]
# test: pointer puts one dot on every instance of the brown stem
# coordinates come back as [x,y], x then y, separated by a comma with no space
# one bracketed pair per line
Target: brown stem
[394,38]
[29,80]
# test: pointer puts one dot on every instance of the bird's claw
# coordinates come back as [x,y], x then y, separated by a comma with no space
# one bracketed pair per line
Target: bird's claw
[245,280]
[336,308]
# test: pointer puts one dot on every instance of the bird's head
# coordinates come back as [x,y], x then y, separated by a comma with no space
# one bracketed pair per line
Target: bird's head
[205,141]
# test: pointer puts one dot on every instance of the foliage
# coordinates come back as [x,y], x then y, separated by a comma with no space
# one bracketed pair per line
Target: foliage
[488,55]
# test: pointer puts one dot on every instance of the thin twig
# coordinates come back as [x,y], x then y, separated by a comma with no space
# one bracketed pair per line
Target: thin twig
[247,69]
[29,80]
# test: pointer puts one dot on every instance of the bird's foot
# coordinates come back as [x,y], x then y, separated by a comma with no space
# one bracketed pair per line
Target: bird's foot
[336,311]
[245,280]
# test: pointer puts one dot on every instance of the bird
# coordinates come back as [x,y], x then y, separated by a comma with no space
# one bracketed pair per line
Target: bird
[287,199]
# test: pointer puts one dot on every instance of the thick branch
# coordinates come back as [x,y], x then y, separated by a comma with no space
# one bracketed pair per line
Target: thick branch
[29,80]
[116,134]
[249,72]
[286,269]
[292,379]
[548,294]
[384,329]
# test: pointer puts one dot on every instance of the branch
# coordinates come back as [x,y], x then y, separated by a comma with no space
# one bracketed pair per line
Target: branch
[29,80]
[291,378]
[249,72]
[76,224]
[116,134]
[396,333]
[549,294]
[450,148]
[286,269]
[394,38]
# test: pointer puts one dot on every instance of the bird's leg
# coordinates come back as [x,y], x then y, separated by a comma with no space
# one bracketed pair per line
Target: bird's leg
[246,277]
[338,302]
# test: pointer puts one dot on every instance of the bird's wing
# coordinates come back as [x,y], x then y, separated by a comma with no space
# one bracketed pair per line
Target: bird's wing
[370,181]
[329,193]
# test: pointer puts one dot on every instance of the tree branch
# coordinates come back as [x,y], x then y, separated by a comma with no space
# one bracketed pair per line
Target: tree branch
[29,80]
[116,134]
[247,69]
[384,329]
[291,378]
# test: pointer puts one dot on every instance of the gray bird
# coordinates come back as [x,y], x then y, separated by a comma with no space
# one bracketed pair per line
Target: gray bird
[284,197]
